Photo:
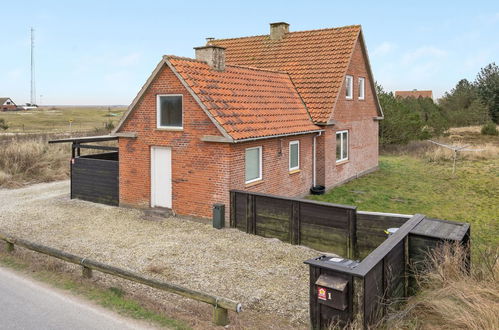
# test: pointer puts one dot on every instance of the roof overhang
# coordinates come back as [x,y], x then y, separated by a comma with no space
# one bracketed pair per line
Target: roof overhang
[209,138]
[86,139]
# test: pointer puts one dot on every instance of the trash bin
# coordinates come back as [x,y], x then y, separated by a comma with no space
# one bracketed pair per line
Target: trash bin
[330,290]
[218,216]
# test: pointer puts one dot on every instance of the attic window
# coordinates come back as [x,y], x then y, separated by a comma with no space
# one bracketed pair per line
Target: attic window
[362,83]
[349,87]
[169,111]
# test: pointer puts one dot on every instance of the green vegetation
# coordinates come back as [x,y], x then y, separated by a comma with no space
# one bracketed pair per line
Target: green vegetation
[418,179]
[489,129]
[408,119]
[3,124]
[62,119]
[487,82]
[112,298]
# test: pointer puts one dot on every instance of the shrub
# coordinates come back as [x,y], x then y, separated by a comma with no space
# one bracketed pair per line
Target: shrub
[109,125]
[3,124]
[489,129]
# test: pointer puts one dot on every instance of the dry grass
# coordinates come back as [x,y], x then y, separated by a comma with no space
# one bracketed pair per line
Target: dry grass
[451,297]
[32,161]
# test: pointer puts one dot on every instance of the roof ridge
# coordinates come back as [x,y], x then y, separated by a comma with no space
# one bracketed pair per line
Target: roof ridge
[227,65]
[293,32]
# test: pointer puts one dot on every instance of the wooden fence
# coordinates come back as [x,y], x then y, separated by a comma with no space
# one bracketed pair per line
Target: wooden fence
[221,305]
[326,227]
[95,178]
[321,226]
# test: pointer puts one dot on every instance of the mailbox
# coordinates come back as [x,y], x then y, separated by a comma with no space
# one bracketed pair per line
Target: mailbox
[332,291]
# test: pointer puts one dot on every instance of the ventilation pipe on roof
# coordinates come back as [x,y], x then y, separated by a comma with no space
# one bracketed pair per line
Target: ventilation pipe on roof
[213,55]
[278,30]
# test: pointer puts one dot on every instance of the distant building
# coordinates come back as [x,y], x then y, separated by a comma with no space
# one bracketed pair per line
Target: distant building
[414,93]
[6,103]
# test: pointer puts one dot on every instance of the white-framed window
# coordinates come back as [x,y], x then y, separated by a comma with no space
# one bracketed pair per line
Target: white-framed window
[349,87]
[341,146]
[169,109]
[253,164]
[362,88]
[294,155]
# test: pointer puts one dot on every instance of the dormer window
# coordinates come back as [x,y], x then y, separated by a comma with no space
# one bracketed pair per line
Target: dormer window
[349,87]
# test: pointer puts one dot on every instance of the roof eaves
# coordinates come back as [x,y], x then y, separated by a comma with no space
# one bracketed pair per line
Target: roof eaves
[139,96]
[278,135]
[198,100]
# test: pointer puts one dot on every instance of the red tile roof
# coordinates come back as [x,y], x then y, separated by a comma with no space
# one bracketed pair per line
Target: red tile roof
[246,102]
[414,93]
[316,61]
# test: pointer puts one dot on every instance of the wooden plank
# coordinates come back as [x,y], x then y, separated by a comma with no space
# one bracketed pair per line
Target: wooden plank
[324,239]
[295,223]
[324,215]
[134,277]
[232,218]
[278,209]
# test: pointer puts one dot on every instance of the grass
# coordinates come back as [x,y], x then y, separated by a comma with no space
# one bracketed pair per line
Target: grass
[56,119]
[417,181]
[112,298]
[27,161]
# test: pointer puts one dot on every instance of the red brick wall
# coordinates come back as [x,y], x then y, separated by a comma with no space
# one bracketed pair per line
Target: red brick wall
[200,170]
[276,177]
[356,116]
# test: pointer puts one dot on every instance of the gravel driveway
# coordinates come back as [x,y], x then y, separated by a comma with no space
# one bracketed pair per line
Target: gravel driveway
[266,275]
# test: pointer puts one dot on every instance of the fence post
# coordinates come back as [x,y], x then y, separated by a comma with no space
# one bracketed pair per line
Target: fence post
[9,246]
[87,272]
[295,223]
[250,214]
[232,206]
[220,316]
[352,252]
[358,300]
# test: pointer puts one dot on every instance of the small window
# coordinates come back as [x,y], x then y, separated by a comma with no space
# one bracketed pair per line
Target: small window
[169,111]
[253,164]
[341,146]
[349,87]
[294,155]
[362,82]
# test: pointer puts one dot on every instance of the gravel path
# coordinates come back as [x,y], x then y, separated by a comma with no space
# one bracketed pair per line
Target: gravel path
[266,275]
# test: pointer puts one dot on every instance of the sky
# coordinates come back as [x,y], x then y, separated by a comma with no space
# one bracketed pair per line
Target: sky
[102,52]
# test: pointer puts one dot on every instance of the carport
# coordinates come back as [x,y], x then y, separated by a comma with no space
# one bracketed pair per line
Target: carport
[94,177]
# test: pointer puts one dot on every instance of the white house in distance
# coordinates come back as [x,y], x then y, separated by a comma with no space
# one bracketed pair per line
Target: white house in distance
[6,104]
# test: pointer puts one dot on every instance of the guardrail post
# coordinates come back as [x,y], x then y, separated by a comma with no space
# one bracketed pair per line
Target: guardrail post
[220,316]
[87,272]
[9,246]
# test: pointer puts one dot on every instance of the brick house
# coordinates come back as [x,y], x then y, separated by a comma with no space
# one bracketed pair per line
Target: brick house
[277,113]
[415,94]
[6,103]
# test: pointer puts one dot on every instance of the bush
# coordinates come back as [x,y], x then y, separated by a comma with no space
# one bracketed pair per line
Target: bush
[489,129]
[3,124]
[109,125]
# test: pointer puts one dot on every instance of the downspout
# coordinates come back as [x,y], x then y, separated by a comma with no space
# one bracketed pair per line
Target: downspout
[314,157]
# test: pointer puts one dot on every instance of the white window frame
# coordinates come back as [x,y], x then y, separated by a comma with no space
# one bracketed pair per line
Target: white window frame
[362,88]
[260,162]
[349,84]
[297,142]
[341,146]
[158,113]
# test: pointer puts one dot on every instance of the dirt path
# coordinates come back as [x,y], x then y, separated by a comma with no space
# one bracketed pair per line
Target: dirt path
[266,275]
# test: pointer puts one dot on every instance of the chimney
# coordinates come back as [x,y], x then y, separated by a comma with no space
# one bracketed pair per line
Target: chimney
[213,55]
[278,30]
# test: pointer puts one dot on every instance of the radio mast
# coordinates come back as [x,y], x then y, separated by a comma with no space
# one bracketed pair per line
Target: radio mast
[33,87]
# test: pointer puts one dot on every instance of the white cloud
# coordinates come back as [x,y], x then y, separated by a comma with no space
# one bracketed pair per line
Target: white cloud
[383,49]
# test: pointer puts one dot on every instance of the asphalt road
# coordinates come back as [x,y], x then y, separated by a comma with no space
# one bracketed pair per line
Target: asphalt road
[26,304]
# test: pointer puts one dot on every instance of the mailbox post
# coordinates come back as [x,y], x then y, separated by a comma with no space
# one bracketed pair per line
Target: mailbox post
[331,291]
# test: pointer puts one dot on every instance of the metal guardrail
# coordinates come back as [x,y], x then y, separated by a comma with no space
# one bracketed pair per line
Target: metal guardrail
[221,305]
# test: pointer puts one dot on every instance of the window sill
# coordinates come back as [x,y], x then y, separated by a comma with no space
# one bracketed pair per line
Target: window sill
[254,183]
[295,171]
[349,98]
[171,129]
[341,162]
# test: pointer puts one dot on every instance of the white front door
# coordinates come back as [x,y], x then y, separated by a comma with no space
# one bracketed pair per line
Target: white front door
[161,177]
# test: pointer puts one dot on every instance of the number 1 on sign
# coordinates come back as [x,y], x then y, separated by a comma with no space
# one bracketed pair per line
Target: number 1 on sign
[329,296]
